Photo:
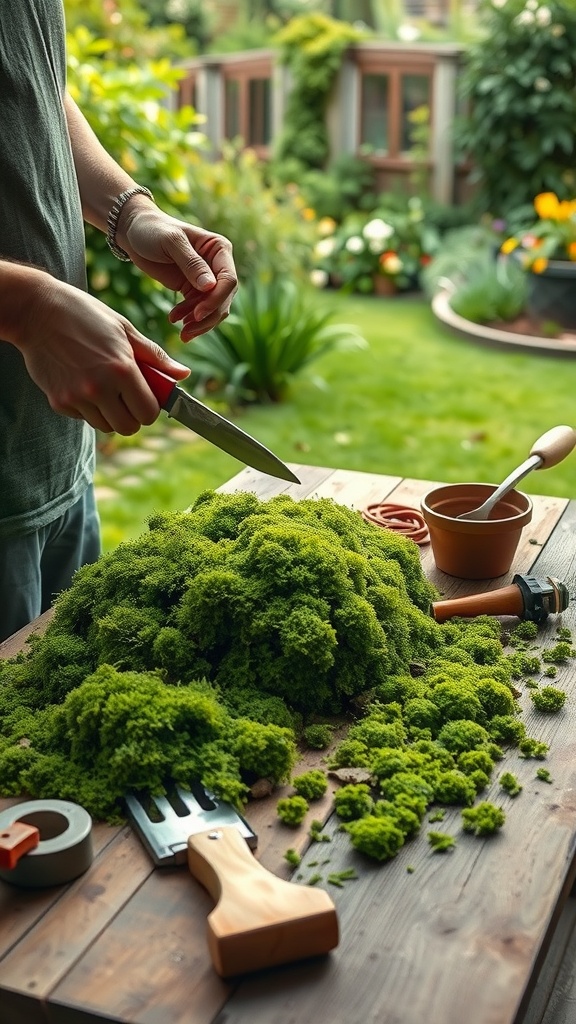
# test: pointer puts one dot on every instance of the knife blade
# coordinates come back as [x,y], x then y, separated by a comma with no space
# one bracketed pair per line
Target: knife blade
[209,424]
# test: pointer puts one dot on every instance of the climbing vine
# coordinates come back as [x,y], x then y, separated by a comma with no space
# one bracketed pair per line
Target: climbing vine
[311,47]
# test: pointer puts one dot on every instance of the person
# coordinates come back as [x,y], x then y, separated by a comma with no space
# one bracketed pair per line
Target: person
[67,361]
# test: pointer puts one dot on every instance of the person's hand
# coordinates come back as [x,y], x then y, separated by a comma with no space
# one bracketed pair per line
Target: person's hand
[184,258]
[82,355]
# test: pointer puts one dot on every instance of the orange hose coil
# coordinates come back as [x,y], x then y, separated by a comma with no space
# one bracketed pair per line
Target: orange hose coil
[407,521]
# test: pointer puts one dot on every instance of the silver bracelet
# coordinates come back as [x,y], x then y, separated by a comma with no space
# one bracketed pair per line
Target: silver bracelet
[114,214]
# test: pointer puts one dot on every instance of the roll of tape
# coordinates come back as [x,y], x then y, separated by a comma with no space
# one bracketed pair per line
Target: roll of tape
[65,848]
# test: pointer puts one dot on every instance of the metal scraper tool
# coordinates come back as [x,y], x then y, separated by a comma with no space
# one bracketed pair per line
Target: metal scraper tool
[259,920]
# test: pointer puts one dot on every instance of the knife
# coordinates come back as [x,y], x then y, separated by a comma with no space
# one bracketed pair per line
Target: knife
[209,424]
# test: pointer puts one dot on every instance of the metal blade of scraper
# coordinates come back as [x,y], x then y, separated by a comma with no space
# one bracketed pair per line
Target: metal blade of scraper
[165,823]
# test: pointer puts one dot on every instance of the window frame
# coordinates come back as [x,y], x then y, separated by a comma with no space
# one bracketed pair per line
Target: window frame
[243,73]
[394,67]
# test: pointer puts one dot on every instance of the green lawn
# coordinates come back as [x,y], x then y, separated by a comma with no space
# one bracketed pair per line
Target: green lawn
[418,402]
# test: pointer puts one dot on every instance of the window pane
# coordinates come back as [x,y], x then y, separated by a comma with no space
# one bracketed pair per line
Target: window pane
[374,113]
[415,94]
[231,108]
[259,112]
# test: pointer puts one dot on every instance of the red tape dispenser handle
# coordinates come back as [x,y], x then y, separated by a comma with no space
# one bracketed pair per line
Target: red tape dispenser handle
[16,840]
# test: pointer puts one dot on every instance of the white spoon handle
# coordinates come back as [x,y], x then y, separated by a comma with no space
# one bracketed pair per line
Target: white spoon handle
[554,445]
[547,451]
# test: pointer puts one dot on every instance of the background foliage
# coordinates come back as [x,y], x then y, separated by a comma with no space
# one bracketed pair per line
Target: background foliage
[520,84]
[126,104]
[311,47]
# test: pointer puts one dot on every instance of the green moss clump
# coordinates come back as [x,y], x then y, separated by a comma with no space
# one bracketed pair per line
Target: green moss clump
[292,810]
[441,841]
[353,801]
[559,653]
[311,785]
[524,630]
[377,837]
[319,736]
[483,820]
[548,699]
[530,747]
[510,784]
[119,731]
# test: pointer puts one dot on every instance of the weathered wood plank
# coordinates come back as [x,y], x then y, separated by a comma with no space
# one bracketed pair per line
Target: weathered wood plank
[151,965]
[556,986]
[21,908]
[459,937]
[80,912]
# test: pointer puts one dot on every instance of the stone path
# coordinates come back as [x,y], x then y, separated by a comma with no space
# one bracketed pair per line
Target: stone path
[128,465]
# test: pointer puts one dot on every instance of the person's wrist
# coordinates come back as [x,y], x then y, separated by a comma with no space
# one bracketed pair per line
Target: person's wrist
[118,217]
[22,291]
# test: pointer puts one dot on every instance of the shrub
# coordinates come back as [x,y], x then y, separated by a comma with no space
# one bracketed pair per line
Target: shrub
[276,330]
[520,81]
[125,105]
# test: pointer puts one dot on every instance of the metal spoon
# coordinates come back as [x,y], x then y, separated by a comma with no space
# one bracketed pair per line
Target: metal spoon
[547,451]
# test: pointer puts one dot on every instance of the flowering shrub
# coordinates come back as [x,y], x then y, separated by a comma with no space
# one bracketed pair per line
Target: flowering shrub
[553,236]
[519,81]
[393,244]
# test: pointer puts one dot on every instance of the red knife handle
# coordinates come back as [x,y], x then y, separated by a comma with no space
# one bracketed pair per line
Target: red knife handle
[159,383]
[16,840]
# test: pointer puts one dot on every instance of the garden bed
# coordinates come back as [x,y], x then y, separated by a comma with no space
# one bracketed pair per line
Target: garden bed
[521,333]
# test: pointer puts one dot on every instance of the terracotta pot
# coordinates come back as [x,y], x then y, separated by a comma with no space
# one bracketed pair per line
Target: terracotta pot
[474,550]
[383,285]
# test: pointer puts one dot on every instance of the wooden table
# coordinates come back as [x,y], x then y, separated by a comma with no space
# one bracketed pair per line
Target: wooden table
[459,939]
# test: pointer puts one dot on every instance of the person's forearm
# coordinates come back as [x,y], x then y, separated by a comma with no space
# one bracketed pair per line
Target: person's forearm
[19,283]
[100,178]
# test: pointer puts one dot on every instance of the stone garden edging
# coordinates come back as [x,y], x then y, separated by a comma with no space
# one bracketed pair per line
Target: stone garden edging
[564,347]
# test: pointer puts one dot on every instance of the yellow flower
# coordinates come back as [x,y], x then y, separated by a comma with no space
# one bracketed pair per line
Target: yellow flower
[539,265]
[546,205]
[308,213]
[572,251]
[326,226]
[509,245]
[565,210]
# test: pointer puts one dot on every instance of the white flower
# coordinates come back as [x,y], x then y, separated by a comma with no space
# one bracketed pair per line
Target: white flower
[325,247]
[498,3]
[531,5]
[558,30]
[524,18]
[542,84]
[408,33]
[543,16]
[377,230]
[355,244]
[319,278]
[376,245]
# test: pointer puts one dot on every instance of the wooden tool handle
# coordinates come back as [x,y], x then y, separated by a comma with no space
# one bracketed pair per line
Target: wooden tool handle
[554,446]
[259,920]
[16,840]
[506,601]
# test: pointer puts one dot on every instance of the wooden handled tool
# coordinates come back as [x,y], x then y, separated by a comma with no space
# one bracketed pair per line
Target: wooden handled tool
[547,451]
[527,597]
[259,920]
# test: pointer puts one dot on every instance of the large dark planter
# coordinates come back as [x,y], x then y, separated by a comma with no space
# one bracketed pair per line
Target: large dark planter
[552,294]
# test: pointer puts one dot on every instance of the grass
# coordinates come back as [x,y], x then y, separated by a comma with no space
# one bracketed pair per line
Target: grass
[418,402]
